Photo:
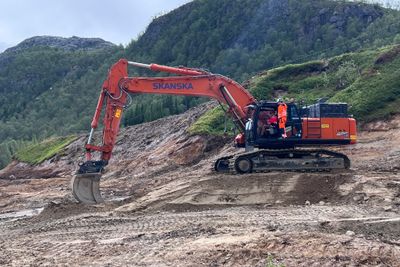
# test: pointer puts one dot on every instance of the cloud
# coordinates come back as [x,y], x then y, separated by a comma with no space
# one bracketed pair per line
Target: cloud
[118,21]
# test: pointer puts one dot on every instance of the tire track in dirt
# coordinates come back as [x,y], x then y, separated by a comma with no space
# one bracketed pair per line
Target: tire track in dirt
[153,237]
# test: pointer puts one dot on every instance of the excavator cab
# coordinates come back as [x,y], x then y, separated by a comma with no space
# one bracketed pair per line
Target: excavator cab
[314,125]
[265,131]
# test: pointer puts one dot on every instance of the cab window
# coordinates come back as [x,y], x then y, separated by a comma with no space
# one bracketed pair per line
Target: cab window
[293,114]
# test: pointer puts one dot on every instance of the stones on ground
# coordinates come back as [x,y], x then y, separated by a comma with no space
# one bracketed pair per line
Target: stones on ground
[357,198]
[350,233]
[388,208]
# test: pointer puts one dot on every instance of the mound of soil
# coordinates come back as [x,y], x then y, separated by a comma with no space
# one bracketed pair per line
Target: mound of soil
[218,191]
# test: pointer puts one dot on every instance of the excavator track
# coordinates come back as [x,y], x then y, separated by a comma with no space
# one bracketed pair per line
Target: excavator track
[266,160]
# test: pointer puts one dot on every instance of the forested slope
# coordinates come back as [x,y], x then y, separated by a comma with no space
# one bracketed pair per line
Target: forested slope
[239,38]
[47,87]
[51,88]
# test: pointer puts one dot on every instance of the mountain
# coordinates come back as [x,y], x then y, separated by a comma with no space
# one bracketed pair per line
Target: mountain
[49,85]
[43,83]
[239,38]
[40,81]
[69,44]
[3,46]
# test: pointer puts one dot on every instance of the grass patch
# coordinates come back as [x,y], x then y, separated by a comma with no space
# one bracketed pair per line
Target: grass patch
[293,70]
[37,153]
[373,96]
[272,263]
[212,122]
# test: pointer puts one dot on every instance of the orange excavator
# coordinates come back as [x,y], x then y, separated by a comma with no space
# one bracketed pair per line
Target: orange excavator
[266,149]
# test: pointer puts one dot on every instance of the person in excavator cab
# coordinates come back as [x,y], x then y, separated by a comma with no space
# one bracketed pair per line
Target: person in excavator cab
[262,124]
[272,123]
[282,117]
[268,123]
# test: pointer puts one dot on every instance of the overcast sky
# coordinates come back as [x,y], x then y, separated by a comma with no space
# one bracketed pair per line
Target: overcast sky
[117,21]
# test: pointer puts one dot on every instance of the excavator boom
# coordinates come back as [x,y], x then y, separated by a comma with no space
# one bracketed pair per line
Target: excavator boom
[115,93]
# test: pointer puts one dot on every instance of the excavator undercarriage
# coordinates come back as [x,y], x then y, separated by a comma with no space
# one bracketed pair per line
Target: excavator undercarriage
[303,160]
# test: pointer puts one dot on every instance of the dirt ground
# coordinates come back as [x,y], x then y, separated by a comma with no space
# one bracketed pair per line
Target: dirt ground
[166,207]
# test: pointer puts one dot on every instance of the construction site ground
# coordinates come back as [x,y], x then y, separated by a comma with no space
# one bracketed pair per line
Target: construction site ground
[166,207]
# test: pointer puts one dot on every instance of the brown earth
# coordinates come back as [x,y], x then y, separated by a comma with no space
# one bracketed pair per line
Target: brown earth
[166,207]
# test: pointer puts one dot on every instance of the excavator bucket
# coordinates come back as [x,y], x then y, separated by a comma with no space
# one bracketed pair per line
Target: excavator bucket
[86,182]
[86,188]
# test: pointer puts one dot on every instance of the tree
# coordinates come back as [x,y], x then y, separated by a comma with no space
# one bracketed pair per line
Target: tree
[346,74]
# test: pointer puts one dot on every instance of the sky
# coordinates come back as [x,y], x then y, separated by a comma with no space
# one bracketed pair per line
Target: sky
[117,21]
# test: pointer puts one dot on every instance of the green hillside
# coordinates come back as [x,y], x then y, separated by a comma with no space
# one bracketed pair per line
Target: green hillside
[239,38]
[47,91]
[51,88]
[369,81]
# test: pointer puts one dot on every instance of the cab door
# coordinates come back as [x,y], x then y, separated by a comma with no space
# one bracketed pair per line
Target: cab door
[293,123]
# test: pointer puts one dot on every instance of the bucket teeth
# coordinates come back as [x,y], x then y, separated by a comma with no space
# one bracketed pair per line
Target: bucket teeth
[86,188]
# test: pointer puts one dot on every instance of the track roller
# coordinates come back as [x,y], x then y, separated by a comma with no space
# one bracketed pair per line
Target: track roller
[243,165]
[222,164]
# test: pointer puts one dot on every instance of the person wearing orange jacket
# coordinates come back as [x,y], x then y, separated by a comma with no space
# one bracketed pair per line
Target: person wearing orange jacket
[282,117]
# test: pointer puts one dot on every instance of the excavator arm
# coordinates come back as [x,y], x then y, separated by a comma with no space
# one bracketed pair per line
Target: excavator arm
[115,93]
